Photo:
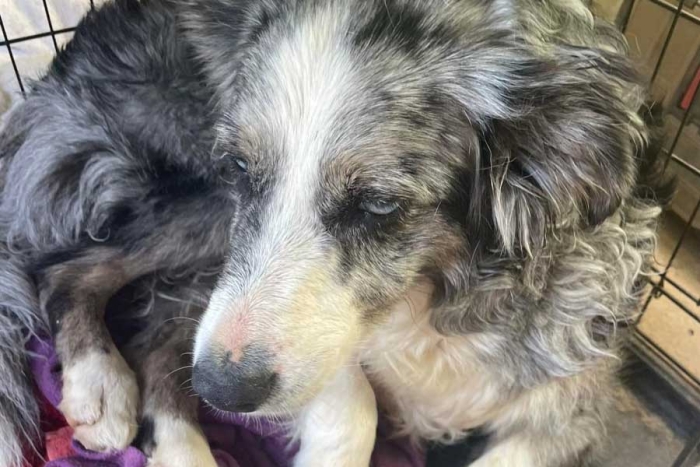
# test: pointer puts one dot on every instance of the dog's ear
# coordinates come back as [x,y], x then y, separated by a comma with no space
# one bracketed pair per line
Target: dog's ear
[222,32]
[562,151]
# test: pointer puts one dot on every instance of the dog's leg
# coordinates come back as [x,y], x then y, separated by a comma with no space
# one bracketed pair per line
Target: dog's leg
[100,394]
[513,452]
[531,451]
[170,434]
[556,425]
[339,427]
[178,442]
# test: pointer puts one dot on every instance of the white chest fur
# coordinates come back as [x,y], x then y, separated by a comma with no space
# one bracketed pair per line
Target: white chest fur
[435,386]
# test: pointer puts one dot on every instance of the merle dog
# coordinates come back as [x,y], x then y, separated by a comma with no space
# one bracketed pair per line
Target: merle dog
[445,205]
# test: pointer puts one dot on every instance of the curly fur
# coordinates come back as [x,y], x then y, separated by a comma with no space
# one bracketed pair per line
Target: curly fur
[509,137]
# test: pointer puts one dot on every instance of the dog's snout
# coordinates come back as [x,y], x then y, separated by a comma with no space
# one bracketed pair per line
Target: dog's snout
[234,386]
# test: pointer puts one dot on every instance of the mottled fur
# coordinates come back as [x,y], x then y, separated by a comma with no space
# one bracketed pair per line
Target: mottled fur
[448,199]
[486,155]
[106,177]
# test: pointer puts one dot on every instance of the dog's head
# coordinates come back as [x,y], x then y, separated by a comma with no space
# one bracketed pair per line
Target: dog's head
[385,142]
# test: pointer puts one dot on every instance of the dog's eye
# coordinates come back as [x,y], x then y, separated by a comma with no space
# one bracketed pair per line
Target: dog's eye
[379,208]
[241,163]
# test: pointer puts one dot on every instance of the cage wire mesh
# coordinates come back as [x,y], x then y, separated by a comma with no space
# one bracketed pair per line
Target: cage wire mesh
[14,37]
[684,296]
[680,296]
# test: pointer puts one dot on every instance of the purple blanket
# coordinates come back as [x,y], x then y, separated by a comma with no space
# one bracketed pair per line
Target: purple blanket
[234,442]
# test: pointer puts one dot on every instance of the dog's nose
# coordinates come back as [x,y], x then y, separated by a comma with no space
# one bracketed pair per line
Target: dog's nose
[233,386]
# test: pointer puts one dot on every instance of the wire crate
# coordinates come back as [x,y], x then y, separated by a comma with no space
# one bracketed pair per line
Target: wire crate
[670,293]
[56,35]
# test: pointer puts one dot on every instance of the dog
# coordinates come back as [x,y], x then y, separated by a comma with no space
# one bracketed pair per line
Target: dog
[450,213]
[444,206]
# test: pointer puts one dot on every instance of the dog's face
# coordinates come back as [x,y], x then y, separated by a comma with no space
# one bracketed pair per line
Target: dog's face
[383,143]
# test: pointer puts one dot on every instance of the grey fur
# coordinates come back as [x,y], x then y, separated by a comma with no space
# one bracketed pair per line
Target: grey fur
[107,159]
[19,315]
[144,99]
[507,131]
[160,351]
[509,134]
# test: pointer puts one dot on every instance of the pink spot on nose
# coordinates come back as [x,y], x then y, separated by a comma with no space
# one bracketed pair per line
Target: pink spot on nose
[233,335]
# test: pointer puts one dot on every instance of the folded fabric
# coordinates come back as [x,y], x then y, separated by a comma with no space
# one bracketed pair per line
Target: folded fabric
[58,443]
[235,441]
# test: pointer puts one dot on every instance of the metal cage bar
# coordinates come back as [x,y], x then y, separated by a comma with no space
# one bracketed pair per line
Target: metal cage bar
[7,45]
[679,244]
[684,380]
[681,127]
[690,456]
[17,40]
[7,42]
[666,5]
[48,20]
[669,36]
[661,282]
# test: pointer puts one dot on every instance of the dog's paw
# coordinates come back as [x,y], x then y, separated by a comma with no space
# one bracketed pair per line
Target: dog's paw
[179,444]
[100,401]
[338,428]
[508,453]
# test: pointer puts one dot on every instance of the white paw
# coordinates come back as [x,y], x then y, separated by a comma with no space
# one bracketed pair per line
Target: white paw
[338,428]
[508,453]
[179,444]
[100,401]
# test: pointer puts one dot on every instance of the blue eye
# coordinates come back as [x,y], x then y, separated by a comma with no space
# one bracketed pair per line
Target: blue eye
[241,163]
[379,208]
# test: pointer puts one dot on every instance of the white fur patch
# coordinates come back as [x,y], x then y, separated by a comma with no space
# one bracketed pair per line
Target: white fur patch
[513,452]
[10,448]
[100,401]
[436,385]
[339,427]
[179,444]
[286,299]
[304,93]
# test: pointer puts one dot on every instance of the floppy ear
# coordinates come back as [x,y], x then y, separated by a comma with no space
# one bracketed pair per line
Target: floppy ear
[66,175]
[563,154]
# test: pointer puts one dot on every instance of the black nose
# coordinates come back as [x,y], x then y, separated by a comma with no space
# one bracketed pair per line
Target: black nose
[234,386]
